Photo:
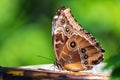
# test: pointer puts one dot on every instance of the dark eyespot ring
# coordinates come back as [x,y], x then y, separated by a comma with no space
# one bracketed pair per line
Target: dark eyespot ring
[67,29]
[73,44]
[83,50]
[62,21]
[85,62]
[86,57]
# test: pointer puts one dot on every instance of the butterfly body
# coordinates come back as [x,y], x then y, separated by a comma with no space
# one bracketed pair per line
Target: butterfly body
[75,49]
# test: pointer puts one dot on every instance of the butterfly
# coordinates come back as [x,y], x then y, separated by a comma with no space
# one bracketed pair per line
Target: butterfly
[75,49]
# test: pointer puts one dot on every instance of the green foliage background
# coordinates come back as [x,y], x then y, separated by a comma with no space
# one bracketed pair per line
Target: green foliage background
[25,29]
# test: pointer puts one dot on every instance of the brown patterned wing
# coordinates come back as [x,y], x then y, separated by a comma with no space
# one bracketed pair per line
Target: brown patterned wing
[75,49]
[59,38]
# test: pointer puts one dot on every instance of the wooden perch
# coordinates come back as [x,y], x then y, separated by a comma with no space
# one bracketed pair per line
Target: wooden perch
[37,73]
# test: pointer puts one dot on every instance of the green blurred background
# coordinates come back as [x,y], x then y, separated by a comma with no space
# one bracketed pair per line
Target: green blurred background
[25,29]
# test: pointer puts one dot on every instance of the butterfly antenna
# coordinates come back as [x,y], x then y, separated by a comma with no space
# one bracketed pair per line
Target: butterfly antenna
[45,57]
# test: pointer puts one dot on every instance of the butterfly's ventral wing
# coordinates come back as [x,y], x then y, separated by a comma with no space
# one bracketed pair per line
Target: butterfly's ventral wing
[75,49]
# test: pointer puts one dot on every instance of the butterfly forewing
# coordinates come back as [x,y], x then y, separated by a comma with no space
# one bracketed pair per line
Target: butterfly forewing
[75,49]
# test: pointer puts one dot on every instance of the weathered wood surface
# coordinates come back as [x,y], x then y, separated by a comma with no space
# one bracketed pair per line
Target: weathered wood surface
[31,73]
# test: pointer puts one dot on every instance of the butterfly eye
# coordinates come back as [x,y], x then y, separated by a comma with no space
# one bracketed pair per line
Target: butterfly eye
[73,44]
[62,21]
